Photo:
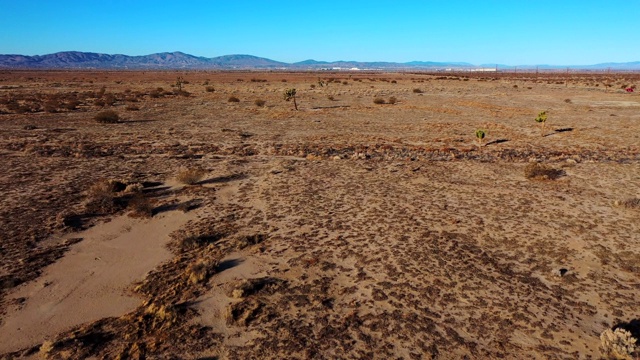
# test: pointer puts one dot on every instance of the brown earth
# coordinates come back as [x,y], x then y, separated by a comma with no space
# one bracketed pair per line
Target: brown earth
[347,229]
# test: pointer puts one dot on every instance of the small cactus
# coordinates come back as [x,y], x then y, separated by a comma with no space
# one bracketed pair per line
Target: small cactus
[542,119]
[480,134]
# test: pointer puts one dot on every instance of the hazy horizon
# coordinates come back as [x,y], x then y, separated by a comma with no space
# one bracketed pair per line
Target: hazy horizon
[493,32]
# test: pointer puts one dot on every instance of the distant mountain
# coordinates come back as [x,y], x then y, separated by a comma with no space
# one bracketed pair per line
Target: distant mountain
[179,60]
[173,60]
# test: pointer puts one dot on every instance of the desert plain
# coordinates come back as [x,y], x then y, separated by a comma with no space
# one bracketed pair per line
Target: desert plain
[201,227]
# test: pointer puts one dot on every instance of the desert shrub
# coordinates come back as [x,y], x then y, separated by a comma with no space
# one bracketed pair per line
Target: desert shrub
[630,203]
[140,206]
[313,86]
[568,101]
[210,89]
[417,91]
[233,99]
[345,83]
[379,101]
[394,82]
[201,270]
[538,171]
[23,109]
[330,97]
[187,241]
[102,197]
[72,105]
[131,107]
[392,100]
[618,344]
[109,99]
[107,117]
[190,176]
[260,102]
[51,106]
[284,80]
[515,86]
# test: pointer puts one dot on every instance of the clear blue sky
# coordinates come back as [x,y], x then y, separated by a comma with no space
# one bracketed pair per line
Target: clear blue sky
[515,32]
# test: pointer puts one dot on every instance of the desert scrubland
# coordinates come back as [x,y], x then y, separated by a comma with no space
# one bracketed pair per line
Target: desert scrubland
[212,220]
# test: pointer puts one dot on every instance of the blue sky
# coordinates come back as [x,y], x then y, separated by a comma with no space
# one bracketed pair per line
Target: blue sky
[517,32]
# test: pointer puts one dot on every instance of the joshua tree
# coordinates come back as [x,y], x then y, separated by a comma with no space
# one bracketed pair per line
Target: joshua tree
[291,94]
[480,134]
[179,83]
[542,119]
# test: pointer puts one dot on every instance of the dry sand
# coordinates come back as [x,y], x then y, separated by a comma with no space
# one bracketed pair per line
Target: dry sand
[344,230]
[91,281]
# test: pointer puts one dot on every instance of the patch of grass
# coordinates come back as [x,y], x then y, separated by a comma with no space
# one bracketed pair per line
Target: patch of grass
[537,171]
[107,117]
[190,176]
[233,99]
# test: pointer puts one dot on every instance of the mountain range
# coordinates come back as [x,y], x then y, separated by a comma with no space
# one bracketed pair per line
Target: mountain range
[179,60]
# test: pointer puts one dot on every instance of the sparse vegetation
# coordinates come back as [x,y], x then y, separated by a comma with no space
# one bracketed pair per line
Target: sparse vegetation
[618,344]
[107,117]
[190,176]
[538,171]
[542,120]
[140,206]
[290,94]
[480,135]
[630,203]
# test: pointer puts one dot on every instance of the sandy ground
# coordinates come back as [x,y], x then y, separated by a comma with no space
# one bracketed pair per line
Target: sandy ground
[346,229]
